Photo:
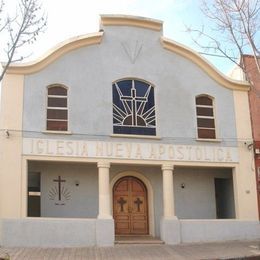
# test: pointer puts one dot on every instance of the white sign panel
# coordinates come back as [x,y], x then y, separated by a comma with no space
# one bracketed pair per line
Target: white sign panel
[128,150]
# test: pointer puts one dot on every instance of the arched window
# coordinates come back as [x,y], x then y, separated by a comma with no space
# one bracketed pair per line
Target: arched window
[133,107]
[57,108]
[205,117]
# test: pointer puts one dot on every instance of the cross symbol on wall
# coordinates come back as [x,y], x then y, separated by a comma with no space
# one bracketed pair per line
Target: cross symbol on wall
[59,180]
[121,201]
[138,202]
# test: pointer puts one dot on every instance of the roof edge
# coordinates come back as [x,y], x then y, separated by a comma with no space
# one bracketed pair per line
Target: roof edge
[54,53]
[129,20]
[205,65]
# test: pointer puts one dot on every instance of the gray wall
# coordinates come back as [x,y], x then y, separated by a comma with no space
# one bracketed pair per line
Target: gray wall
[82,200]
[197,199]
[220,230]
[33,232]
[88,72]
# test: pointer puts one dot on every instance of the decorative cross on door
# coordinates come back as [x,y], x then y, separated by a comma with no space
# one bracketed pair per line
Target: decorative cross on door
[121,201]
[138,202]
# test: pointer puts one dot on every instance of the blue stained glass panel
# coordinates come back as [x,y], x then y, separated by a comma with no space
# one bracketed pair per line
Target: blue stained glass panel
[133,108]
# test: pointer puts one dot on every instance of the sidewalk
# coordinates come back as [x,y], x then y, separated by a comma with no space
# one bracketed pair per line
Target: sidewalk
[212,251]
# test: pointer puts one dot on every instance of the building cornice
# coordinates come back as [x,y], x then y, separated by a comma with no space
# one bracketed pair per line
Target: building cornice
[203,64]
[54,53]
[117,20]
[127,20]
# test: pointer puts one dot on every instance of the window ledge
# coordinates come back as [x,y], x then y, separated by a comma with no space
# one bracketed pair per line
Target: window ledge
[57,132]
[135,136]
[208,140]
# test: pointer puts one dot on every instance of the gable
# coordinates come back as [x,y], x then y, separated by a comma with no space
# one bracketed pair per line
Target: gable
[132,35]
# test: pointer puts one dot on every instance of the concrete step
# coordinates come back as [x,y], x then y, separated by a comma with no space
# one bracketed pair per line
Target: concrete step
[137,240]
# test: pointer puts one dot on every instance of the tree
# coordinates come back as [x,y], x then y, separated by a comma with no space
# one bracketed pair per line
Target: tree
[234,30]
[20,28]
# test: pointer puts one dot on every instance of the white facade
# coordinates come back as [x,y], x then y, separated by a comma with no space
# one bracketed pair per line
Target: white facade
[65,153]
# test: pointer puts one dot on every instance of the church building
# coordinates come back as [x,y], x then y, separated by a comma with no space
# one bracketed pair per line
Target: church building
[124,132]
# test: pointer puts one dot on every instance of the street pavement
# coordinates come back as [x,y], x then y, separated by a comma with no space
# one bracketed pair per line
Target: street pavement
[212,251]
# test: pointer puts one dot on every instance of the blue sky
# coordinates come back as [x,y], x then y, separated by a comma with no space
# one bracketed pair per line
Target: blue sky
[67,18]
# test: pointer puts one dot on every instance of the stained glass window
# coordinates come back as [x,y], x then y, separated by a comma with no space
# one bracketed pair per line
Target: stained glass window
[133,108]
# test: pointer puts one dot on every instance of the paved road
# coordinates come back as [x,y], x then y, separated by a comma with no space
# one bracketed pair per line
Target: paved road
[225,250]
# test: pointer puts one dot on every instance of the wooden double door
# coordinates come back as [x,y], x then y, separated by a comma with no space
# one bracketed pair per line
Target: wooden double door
[130,207]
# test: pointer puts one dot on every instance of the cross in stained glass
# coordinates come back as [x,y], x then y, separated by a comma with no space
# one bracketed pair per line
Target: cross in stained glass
[121,201]
[138,202]
[133,108]
[133,101]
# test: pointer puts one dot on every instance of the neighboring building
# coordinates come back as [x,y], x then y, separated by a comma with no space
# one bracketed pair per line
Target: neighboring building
[124,132]
[254,104]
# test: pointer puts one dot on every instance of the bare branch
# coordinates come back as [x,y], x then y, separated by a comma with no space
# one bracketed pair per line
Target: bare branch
[234,30]
[22,28]
[212,45]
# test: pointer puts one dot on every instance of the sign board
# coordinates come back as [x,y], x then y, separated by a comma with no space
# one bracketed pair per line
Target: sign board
[128,150]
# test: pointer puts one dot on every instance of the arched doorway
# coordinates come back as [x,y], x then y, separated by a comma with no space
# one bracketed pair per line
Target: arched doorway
[130,207]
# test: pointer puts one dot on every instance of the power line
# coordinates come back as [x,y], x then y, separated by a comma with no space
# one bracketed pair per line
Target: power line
[170,138]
